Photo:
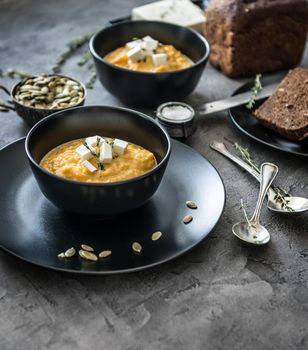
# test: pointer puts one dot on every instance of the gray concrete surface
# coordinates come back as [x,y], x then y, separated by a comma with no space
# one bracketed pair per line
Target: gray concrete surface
[222,295]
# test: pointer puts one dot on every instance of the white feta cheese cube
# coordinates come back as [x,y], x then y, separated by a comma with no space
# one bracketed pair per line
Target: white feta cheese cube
[92,140]
[83,152]
[134,43]
[105,153]
[149,44]
[89,166]
[135,54]
[119,146]
[159,59]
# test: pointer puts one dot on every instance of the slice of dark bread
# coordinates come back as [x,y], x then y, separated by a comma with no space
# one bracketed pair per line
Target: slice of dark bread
[248,37]
[286,111]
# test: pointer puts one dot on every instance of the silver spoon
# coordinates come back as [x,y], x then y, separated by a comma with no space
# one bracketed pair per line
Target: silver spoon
[252,231]
[295,204]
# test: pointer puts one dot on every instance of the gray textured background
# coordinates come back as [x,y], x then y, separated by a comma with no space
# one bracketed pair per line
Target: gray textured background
[222,295]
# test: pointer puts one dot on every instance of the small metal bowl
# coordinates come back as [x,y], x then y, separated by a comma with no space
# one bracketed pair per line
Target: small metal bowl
[179,128]
[32,115]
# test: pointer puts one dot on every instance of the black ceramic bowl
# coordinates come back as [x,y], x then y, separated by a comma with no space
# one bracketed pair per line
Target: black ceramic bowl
[97,199]
[149,89]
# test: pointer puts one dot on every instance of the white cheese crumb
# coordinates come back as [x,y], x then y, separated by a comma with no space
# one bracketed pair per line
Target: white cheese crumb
[105,153]
[159,59]
[149,44]
[83,152]
[92,140]
[89,166]
[134,43]
[119,146]
[136,54]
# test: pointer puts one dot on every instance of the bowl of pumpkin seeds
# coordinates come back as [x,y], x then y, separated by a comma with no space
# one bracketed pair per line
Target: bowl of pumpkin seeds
[38,96]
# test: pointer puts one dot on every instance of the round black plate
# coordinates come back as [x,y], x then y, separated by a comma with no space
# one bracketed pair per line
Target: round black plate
[36,231]
[248,124]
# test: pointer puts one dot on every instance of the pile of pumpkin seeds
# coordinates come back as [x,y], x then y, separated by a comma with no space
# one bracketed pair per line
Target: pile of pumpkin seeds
[49,92]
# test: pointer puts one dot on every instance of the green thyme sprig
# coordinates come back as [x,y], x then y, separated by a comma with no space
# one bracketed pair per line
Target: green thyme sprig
[96,155]
[281,195]
[243,208]
[92,79]
[15,73]
[254,91]
[85,58]
[70,49]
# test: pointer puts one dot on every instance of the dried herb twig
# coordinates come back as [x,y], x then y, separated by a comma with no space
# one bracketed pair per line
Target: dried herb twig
[71,48]
[281,195]
[15,73]
[242,206]
[95,154]
[85,58]
[254,91]
[92,79]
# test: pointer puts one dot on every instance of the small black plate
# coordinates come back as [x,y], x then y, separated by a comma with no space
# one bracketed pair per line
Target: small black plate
[36,231]
[244,120]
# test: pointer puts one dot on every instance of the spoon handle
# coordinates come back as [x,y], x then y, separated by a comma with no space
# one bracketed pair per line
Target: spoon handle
[268,174]
[221,148]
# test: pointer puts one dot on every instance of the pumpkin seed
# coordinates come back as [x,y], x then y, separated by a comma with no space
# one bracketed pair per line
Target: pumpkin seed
[35,93]
[73,93]
[70,252]
[86,247]
[104,253]
[156,236]
[23,95]
[65,99]
[187,219]
[42,82]
[61,255]
[26,88]
[71,83]
[137,247]
[51,84]
[87,255]
[45,90]
[40,98]
[191,205]
[59,89]
[61,95]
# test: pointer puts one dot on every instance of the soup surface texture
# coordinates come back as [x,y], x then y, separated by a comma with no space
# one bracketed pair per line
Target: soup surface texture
[174,60]
[65,162]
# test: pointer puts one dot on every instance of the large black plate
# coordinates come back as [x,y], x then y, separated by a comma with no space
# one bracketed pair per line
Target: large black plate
[248,124]
[36,231]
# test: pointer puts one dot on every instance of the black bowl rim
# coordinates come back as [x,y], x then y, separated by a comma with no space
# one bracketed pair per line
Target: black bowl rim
[199,62]
[96,184]
[44,110]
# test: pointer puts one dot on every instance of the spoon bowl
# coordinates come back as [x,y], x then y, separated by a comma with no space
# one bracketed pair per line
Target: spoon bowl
[295,204]
[251,234]
[252,231]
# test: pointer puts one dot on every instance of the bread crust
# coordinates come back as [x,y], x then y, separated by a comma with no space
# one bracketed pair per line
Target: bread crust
[256,36]
[286,111]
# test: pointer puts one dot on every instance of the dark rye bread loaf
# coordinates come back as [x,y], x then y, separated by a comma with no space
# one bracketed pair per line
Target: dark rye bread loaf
[286,111]
[256,36]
